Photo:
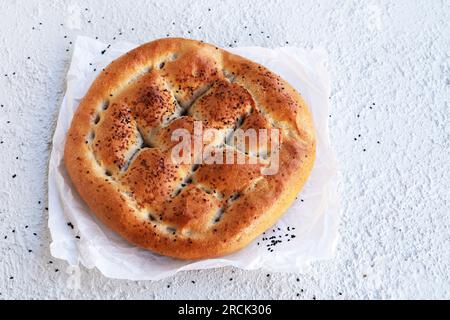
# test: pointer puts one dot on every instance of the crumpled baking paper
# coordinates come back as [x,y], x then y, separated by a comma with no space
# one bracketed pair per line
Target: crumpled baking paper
[311,224]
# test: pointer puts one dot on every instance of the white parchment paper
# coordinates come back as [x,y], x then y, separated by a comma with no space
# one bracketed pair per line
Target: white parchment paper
[310,224]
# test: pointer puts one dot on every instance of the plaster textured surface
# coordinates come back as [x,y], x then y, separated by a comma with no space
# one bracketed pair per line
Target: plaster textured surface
[390,127]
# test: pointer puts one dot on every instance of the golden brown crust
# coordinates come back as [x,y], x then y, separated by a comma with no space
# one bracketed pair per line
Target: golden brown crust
[117,149]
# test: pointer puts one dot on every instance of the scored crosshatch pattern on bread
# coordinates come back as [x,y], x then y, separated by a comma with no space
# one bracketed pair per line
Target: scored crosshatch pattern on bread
[118,148]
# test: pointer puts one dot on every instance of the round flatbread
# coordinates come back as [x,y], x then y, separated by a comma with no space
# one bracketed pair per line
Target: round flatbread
[119,150]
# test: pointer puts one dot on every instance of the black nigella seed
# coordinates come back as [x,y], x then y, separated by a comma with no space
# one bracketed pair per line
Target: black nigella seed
[193,281]
[10,278]
[30,250]
[267,275]
[364,150]
[14,175]
[231,279]
[70,225]
[103,51]
[77,237]
[56,270]
[50,262]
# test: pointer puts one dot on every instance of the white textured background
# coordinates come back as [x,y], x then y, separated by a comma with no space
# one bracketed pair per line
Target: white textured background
[390,126]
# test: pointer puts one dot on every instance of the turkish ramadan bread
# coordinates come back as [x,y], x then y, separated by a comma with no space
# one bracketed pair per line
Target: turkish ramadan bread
[118,148]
